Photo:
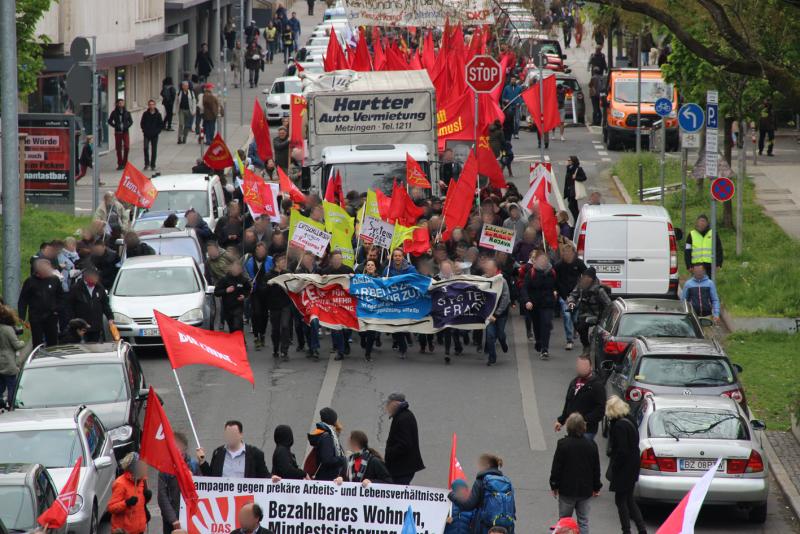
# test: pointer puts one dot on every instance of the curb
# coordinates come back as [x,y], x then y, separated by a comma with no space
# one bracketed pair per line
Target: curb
[784,480]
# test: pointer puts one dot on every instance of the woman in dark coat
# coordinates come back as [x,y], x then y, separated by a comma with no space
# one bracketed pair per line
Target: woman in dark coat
[330,461]
[623,469]
[574,174]
[365,464]
[284,463]
[538,292]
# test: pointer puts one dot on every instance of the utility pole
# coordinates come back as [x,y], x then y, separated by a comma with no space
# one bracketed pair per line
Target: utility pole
[10,150]
[95,127]
[541,105]
[220,59]
[241,62]
[740,187]
[639,94]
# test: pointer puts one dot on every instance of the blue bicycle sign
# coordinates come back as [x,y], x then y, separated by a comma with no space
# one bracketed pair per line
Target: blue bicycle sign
[663,107]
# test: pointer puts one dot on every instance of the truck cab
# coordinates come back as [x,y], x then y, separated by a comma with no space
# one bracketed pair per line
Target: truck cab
[374,167]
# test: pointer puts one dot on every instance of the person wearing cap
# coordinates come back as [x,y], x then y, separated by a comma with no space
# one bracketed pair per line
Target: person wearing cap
[88,300]
[129,496]
[589,298]
[235,458]
[403,457]
[459,521]
[327,460]
[575,472]
[566,525]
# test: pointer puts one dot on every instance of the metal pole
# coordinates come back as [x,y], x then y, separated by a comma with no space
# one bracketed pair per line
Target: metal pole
[225,91]
[95,127]
[541,106]
[639,95]
[475,151]
[740,188]
[241,62]
[663,157]
[10,149]
[221,58]
[641,183]
[713,239]
[186,405]
[684,164]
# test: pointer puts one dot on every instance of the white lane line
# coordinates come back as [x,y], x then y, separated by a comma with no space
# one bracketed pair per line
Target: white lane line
[547,157]
[325,397]
[602,153]
[530,408]
[606,159]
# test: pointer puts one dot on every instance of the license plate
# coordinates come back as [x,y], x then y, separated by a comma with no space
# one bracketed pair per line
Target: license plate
[608,269]
[699,464]
[645,131]
[149,332]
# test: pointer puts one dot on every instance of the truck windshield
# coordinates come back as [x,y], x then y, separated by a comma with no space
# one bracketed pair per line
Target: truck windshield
[652,90]
[373,175]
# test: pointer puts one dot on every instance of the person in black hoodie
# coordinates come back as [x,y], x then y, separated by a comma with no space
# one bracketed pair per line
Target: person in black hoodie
[88,300]
[575,173]
[120,119]
[403,457]
[538,293]
[328,460]
[568,272]
[280,310]
[134,246]
[575,472]
[586,395]
[106,261]
[151,124]
[229,229]
[38,301]
[284,463]
[233,288]
[365,464]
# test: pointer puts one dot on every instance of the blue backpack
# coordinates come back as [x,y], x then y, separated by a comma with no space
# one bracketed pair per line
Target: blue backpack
[498,508]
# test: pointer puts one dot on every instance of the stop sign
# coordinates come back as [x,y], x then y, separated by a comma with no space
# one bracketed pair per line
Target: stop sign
[483,74]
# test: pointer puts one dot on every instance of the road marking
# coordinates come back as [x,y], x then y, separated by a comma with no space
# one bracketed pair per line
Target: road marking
[547,157]
[606,159]
[602,153]
[325,397]
[530,408]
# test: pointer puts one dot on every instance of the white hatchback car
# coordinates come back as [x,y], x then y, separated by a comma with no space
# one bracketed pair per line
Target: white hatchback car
[279,96]
[173,285]
[179,192]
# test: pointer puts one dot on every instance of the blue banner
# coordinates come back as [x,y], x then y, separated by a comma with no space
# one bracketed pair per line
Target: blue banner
[461,303]
[399,297]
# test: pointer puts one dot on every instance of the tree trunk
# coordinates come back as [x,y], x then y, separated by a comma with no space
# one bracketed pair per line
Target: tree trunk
[727,151]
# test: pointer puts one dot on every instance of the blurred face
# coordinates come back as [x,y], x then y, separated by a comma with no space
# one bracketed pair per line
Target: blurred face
[446,269]
[182,445]
[369,267]
[247,519]
[397,257]
[140,471]
[698,271]
[120,104]
[151,105]
[568,255]
[91,279]
[282,133]
[280,264]
[336,260]
[540,261]
[583,367]
[232,437]
[235,269]
[701,224]
[586,281]
[489,268]
[213,252]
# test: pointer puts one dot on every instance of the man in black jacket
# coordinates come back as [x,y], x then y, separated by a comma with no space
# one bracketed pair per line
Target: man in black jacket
[121,120]
[134,246]
[106,261]
[280,310]
[586,395]
[233,288]
[403,458]
[39,300]
[88,300]
[235,458]
[284,462]
[568,272]
[151,124]
[203,63]
[250,517]
[280,149]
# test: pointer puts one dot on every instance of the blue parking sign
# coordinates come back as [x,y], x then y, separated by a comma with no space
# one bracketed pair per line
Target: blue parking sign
[663,106]
[712,116]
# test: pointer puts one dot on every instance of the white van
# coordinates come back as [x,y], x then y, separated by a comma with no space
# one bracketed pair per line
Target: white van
[179,192]
[633,248]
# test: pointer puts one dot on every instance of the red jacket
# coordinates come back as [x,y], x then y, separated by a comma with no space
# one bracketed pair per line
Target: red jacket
[131,519]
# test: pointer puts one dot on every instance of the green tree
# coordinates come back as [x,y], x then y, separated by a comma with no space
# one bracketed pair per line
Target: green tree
[29,46]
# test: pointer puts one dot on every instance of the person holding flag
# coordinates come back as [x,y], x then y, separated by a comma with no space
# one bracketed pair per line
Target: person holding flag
[491,496]
[169,487]
[459,521]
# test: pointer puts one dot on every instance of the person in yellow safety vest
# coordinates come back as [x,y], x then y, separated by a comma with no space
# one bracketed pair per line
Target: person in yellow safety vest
[698,245]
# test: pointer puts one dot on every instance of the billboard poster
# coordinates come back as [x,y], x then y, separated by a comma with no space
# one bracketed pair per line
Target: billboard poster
[50,154]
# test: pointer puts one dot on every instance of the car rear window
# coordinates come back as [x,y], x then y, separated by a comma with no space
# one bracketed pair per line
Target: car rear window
[677,371]
[657,325]
[696,424]
[52,448]
[71,385]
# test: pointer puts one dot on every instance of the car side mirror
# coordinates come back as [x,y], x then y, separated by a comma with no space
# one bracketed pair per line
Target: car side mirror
[678,234]
[119,242]
[591,321]
[758,424]
[563,56]
[143,394]
[739,368]
[607,365]
[567,70]
[103,462]
[705,321]
[209,290]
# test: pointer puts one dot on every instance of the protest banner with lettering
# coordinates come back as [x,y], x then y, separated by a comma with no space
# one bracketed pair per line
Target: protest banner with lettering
[466,304]
[428,14]
[309,506]
[497,238]
[321,297]
[310,238]
[402,297]
[377,232]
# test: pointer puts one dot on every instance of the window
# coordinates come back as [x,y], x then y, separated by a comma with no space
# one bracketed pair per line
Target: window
[51,448]
[155,282]
[16,508]
[120,75]
[657,325]
[675,371]
[627,363]
[148,10]
[70,385]
[95,435]
[697,425]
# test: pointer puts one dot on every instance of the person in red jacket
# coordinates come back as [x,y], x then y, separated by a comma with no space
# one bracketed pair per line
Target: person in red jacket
[129,496]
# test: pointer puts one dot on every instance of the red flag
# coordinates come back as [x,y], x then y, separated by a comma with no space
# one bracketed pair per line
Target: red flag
[258,195]
[383,204]
[419,244]
[136,188]
[298,67]
[395,60]
[415,63]
[287,186]
[460,199]
[379,60]
[297,110]
[159,450]
[488,165]
[456,472]
[218,156]
[428,54]
[415,176]
[333,191]
[190,345]
[334,56]
[56,516]
[547,216]
[260,128]
[361,61]
[551,115]
[402,209]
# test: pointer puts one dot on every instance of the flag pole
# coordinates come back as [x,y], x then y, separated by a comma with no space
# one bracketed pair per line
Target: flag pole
[186,405]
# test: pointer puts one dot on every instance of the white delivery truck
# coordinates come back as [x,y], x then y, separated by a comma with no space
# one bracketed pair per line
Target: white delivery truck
[362,124]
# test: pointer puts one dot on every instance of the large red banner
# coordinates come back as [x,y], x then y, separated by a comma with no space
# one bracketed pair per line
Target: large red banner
[331,304]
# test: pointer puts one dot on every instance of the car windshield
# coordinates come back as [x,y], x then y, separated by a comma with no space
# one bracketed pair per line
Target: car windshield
[71,385]
[51,448]
[180,201]
[287,86]
[652,90]
[16,508]
[154,223]
[545,48]
[657,325]
[696,424]
[378,175]
[176,246]
[674,371]
[156,282]
[569,83]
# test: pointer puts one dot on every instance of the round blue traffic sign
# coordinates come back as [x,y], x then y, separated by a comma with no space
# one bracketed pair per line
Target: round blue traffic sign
[663,107]
[722,189]
[691,117]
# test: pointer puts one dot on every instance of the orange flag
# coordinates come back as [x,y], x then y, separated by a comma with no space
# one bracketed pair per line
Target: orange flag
[218,156]
[136,188]
[415,176]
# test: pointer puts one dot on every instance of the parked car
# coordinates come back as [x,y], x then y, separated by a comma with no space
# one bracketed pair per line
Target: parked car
[627,319]
[682,437]
[153,220]
[106,377]
[179,192]
[574,92]
[675,366]
[56,438]
[26,490]
[172,242]
[633,248]
[279,96]
[173,285]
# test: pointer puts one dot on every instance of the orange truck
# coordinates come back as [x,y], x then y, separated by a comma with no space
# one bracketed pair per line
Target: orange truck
[619,117]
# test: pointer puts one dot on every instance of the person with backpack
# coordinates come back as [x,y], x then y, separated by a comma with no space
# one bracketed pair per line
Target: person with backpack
[590,298]
[538,293]
[168,94]
[492,497]
[574,188]
[623,465]
[568,271]
[459,521]
[327,460]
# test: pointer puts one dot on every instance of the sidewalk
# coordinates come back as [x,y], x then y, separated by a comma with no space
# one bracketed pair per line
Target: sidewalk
[777,187]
